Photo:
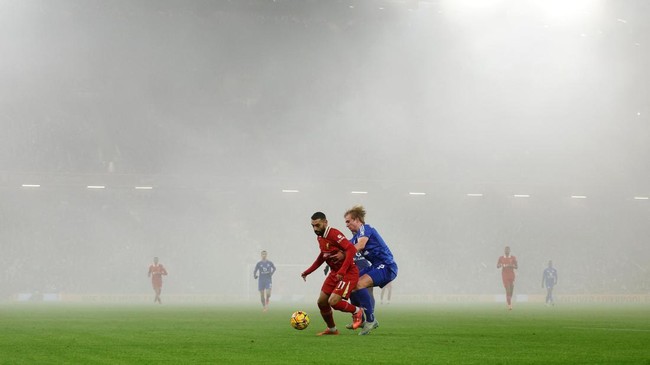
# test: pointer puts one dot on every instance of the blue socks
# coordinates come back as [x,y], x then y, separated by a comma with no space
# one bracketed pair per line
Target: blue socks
[363,298]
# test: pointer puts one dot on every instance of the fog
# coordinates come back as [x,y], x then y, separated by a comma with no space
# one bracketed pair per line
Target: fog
[219,106]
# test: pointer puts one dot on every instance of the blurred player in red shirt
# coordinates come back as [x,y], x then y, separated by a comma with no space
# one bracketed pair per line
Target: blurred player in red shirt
[156,272]
[343,275]
[508,264]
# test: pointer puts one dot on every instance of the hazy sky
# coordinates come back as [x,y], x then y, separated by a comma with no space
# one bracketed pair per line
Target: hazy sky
[220,105]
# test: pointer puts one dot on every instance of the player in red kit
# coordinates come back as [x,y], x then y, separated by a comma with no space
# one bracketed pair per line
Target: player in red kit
[508,264]
[156,272]
[342,277]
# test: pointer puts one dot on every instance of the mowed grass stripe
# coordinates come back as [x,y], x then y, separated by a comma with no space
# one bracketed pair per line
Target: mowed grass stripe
[434,334]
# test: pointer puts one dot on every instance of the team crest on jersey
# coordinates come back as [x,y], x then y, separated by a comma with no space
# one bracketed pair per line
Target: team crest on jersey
[327,246]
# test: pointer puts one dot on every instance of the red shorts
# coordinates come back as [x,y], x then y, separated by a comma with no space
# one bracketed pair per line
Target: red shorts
[332,285]
[156,283]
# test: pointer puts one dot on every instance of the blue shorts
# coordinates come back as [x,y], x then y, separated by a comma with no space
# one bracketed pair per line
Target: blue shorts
[381,274]
[264,283]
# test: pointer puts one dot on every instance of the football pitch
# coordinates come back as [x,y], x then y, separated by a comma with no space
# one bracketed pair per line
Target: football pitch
[431,334]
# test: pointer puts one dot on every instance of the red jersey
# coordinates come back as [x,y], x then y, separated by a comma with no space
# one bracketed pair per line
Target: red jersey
[330,243]
[156,272]
[508,265]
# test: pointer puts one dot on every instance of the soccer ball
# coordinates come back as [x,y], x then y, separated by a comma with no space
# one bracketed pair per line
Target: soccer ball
[299,320]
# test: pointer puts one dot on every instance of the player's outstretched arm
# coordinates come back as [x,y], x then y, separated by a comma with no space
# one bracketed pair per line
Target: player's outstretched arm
[319,261]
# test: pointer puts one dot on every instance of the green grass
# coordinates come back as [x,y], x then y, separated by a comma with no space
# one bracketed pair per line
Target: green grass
[435,334]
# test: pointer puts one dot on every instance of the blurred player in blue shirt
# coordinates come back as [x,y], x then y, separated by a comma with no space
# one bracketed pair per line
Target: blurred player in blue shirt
[549,280]
[265,268]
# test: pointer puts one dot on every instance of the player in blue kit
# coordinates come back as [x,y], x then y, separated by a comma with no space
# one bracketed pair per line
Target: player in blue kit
[266,270]
[549,280]
[383,268]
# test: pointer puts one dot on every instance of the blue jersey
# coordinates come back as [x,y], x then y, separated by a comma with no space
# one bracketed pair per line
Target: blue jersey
[265,268]
[376,251]
[550,276]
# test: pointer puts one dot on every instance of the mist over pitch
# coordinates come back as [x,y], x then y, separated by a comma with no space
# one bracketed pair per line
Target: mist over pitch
[220,106]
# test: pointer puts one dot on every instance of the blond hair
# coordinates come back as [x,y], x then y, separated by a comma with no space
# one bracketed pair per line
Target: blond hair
[357,212]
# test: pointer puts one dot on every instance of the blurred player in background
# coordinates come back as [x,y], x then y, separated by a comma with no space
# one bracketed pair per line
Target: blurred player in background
[266,269]
[508,265]
[342,277]
[156,272]
[383,268]
[549,280]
